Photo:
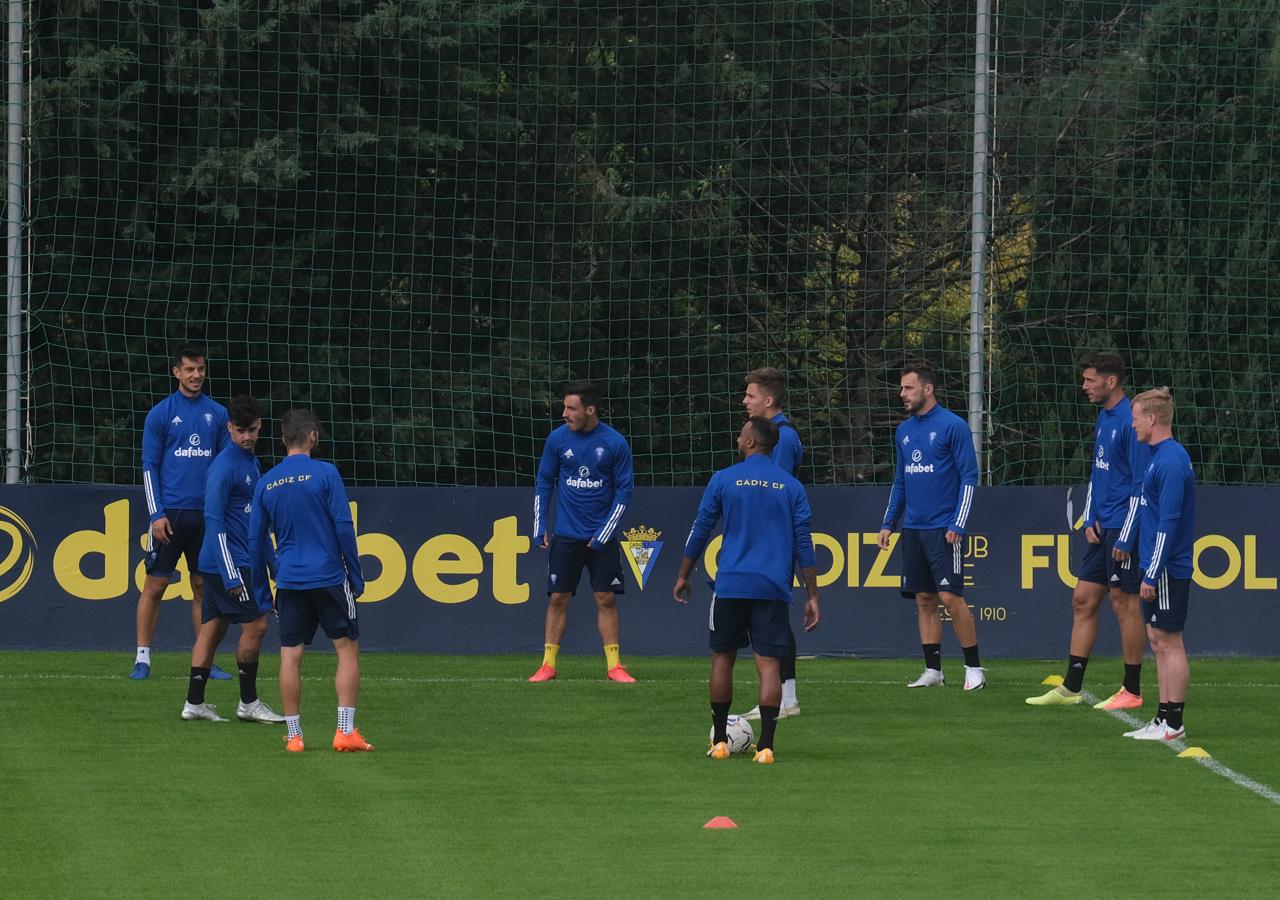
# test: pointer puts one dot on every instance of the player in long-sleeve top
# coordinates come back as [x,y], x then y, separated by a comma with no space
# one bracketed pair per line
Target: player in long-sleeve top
[587,464]
[1110,525]
[932,496]
[182,435]
[766,535]
[303,502]
[765,395]
[232,593]
[1166,550]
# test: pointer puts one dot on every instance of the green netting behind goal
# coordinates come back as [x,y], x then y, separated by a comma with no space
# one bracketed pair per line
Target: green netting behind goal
[418,218]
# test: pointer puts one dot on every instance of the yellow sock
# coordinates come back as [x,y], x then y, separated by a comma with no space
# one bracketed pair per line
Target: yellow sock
[612,658]
[549,652]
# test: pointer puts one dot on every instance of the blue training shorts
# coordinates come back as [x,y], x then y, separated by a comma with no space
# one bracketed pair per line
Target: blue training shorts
[303,610]
[764,624]
[1168,612]
[1098,566]
[187,526]
[216,603]
[929,563]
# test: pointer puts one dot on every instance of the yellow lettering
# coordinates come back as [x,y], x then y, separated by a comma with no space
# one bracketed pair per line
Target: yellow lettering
[1251,580]
[1065,575]
[1031,560]
[1216,541]
[853,554]
[391,561]
[112,544]
[829,543]
[876,577]
[710,555]
[978,546]
[505,547]
[447,554]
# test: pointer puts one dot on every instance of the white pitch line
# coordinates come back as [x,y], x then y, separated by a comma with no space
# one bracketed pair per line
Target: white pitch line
[1209,763]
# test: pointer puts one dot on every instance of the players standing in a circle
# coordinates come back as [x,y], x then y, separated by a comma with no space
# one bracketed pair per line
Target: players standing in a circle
[766,533]
[318,578]
[182,435]
[765,396]
[1166,551]
[1110,520]
[935,477]
[232,593]
[588,464]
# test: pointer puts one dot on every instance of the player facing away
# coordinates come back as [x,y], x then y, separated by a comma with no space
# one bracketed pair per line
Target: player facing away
[303,502]
[1110,531]
[588,464]
[766,533]
[934,482]
[231,592]
[1165,551]
[765,395]
[182,435]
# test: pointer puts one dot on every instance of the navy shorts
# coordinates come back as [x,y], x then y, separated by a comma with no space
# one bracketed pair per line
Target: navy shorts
[188,534]
[301,611]
[1100,567]
[216,603]
[1168,612]
[568,556]
[929,563]
[735,623]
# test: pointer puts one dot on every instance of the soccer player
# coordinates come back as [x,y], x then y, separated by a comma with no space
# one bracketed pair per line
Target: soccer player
[183,433]
[1110,531]
[937,471]
[1166,541]
[765,395]
[766,532]
[588,463]
[318,578]
[231,592]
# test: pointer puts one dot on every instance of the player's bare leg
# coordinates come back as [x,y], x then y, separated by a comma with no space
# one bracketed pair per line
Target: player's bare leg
[346,682]
[607,616]
[153,588]
[1086,600]
[291,679]
[557,617]
[928,619]
[197,594]
[967,633]
[769,668]
[1128,610]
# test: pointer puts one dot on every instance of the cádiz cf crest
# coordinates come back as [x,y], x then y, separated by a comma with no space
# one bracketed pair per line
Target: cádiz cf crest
[642,547]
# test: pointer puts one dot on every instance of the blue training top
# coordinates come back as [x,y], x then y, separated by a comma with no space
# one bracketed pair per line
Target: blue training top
[766,527]
[179,441]
[1167,535]
[228,502]
[936,473]
[789,451]
[593,477]
[1115,482]
[303,501]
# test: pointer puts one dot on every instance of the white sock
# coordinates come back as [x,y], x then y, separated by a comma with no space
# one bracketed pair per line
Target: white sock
[346,719]
[144,655]
[295,725]
[789,692]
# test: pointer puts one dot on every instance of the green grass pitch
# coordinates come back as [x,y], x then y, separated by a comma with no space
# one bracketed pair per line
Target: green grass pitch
[483,785]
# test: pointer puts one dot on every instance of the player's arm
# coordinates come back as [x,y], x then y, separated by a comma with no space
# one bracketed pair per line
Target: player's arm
[897,498]
[802,552]
[1171,497]
[543,484]
[788,452]
[224,433]
[153,432]
[967,465]
[1136,455]
[699,535]
[624,481]
[340,510]
[217,489]
[262,553]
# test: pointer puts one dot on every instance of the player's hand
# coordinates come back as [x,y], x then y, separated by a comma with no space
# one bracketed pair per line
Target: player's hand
[811,614]
[682,589]
[545,544]
[1147,591]
[954,537]
[161,530]
[1091,535]
[1119,555]
[882,540]
[239,594]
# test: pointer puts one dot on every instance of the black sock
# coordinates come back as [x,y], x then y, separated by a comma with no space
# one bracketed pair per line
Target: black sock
[932,656]
[1174,715]
[1133,679]
[196,686]
[768,724]
[788,662]
[1074,679]
[971,657]
[248,682]
[720,721]
[1162,712]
